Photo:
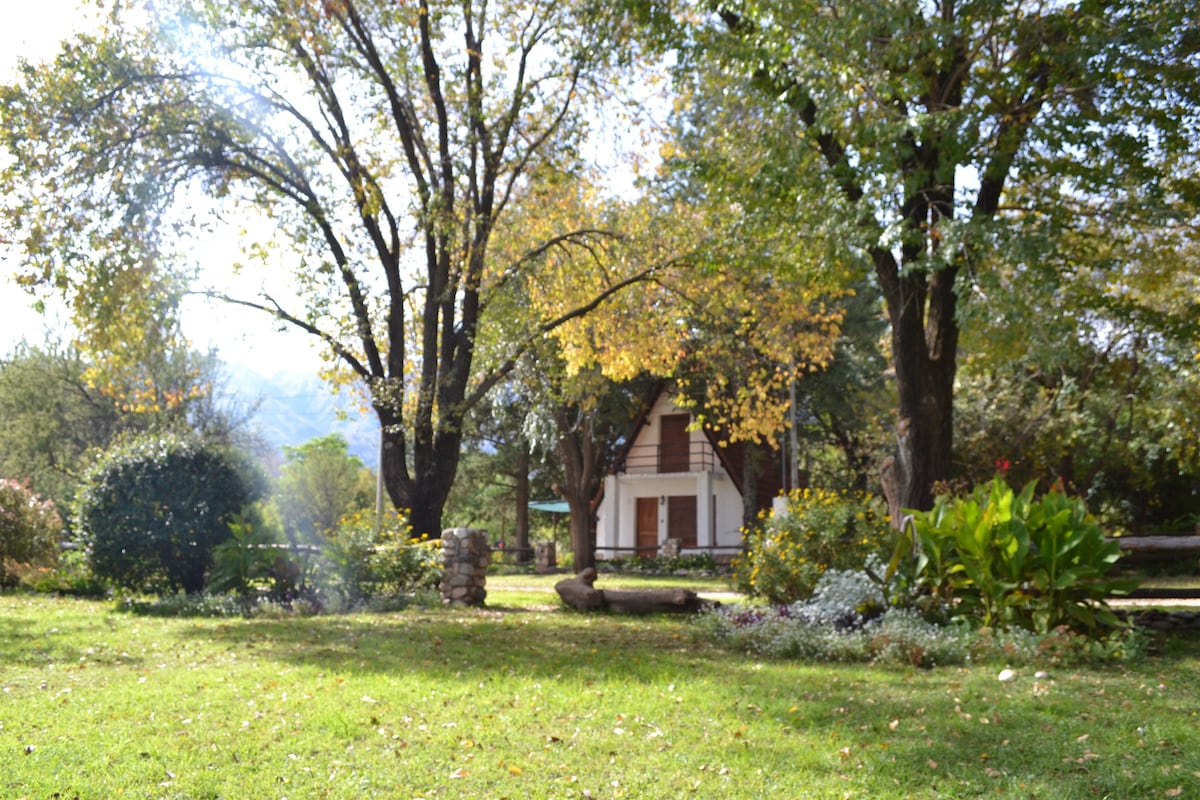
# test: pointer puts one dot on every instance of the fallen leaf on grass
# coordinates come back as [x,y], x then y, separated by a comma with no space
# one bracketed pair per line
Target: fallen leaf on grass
[1178,790]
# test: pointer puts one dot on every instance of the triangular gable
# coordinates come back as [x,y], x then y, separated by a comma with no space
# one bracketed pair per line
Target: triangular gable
[731,455]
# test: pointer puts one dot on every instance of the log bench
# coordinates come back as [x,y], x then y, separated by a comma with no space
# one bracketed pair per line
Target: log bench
[1157,549]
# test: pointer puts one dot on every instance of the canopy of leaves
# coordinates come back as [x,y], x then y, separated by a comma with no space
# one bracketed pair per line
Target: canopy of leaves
[373,148]
[54,414]
[937,140]
[319,483]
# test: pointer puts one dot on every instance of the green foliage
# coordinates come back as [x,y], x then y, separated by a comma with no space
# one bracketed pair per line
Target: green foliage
[697,563]
[55,415]
[247,557]
[1110,415]
[71,575]
[270,110]
[319,484]
[1010,560]
[374,560]
[821,529]
[30,527]
[152,509]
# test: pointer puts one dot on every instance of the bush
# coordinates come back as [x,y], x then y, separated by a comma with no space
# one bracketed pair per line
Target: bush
[71,575]
[820,530]
[152,509]
[844,621]
[30,528]
[248,558]
[388,562]
[1009,560]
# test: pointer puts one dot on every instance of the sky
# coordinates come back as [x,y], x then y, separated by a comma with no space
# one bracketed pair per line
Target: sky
[241,336]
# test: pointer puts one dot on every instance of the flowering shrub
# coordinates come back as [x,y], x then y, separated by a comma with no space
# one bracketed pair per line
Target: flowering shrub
[386,562]
[786,554]
[29,527]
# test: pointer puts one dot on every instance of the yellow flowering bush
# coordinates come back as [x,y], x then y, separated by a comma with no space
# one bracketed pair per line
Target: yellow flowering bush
[785,555]
[374,560]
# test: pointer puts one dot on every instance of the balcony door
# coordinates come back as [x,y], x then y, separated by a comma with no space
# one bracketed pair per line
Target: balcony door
[674,445]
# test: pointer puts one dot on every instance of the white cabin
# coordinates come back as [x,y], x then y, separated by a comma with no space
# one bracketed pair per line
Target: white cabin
[671,482]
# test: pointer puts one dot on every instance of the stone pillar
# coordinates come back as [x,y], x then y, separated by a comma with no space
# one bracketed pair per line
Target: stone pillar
[546,556]
[466,556]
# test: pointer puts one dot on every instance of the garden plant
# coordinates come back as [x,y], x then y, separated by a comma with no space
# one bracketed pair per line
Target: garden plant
[820,529]
[1015,560]
[30,529]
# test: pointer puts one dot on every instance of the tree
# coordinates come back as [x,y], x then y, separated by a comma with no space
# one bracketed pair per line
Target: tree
[56,411]
[582,416]
[382,146]
[938,134]
[498,477]
[1100,396]
[319,483]
[154,507]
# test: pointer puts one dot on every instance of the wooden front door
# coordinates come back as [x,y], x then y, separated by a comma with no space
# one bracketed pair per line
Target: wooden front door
[674,448]
[647,526]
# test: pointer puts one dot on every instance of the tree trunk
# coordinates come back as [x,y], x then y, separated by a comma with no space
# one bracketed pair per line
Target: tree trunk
[524,554]
[925,368]
[420,492]
[583,547]
[751,469]
[577,448]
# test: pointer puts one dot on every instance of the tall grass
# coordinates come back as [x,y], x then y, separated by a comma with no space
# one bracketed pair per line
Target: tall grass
[537,702]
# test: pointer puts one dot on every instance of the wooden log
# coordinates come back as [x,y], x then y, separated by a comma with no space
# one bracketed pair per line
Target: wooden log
[1158,544]
[653,601]
[580,593]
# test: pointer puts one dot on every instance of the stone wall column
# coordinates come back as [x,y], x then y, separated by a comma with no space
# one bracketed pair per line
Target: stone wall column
[466,556]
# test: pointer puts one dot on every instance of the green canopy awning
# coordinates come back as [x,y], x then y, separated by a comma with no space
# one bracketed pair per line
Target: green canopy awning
[553,506]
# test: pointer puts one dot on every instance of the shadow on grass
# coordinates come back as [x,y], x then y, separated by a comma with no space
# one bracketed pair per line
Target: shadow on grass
[31,637]
[477,643]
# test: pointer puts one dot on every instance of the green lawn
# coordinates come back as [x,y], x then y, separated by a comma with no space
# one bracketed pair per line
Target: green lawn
[526,700]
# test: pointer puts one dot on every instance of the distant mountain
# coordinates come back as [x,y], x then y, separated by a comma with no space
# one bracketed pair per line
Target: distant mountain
[294,407]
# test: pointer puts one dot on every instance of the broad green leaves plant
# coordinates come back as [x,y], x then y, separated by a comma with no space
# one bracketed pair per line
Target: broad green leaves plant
[1011,559]
[246,558]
